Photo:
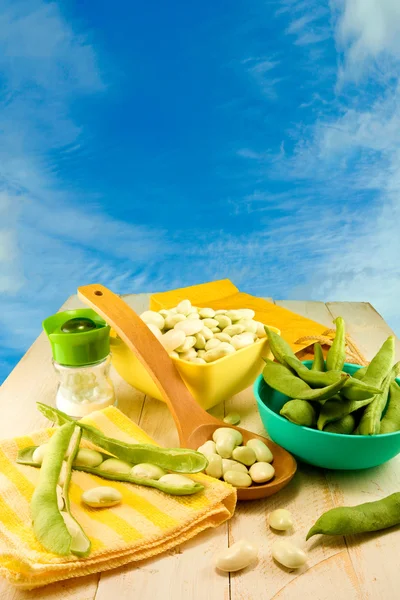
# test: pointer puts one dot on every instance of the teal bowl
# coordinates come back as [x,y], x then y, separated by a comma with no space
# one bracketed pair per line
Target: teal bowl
[321,448]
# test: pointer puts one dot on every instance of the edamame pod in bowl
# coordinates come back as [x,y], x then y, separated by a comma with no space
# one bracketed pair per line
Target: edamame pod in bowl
[179,460]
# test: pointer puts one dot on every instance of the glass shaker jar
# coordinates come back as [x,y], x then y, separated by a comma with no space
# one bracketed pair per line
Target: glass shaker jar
[80,342]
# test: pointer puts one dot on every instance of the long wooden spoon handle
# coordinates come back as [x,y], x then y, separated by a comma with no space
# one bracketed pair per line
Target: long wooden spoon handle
[134,332]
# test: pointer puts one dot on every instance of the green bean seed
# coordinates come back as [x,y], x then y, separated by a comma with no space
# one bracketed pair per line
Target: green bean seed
[319,361]
[261,472]
[237,479]
[114,467]
[371,516]
[88,457]
[345,425]
[102,497]
[336,356]
[244,455]
[177,481]
[39,453]
[280,378]
[391,419]
[299,412]
[371,420]
[233,465]
[147,471]
[262,452]
[214,467]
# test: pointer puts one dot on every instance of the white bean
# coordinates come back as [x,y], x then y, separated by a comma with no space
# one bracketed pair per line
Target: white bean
[234,330]
[261,333]
[249,325]
[216,330]
[189,326]
[86,457]
[115,466]
[207,448]
[288,555]
[280,519]
[213,343]
[172,339]
[198,361]
[150,316]
[206,313]
[210,323]
[201,353]
[187,344]
[174,354]
[216,353]
[234,315]
[184,307]
[155,330]
[214,467]
[232,465]
[226,440]
[178,481]
[223,321]
[147,471]
[194,315]
[244,455]
[242,340]
[263,453]
[172,320]
[246,313]
[261,472]
[237,479]
[63,474]
[200,341]
[223,337]
[221,311]
[232,418]
[102,496]
[238,556]
[190,354]
[164,312]
[227,346]
[207,333]
[38,454]
[60,497]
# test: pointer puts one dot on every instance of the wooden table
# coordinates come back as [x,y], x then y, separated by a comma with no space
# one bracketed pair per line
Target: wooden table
[351,568]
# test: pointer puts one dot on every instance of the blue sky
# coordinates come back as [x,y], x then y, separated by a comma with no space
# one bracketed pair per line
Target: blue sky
[150,145]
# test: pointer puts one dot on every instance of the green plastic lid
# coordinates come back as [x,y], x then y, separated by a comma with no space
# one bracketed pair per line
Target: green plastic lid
[78,337]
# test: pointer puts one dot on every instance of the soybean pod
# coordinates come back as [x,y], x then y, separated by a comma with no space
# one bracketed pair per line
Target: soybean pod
[391,420]
[179,460]
[336,408]
[300,412]
[359,374]
[371,420]
[336,356]
[371,516]
[380,365]
[279,347]
[315,379]
[319,361]
[345,425]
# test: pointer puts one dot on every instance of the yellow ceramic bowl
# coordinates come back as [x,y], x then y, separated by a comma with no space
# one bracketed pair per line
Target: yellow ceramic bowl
[210,384]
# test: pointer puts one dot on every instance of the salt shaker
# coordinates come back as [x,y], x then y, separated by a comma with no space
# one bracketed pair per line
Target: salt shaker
[80,342]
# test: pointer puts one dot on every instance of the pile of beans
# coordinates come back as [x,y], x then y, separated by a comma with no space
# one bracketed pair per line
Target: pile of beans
[203,335]
[239,465]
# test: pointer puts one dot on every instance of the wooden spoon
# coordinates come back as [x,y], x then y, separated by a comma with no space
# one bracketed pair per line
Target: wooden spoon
[195,426]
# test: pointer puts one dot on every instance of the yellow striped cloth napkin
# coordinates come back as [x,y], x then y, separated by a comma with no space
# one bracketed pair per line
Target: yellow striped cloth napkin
[145,524]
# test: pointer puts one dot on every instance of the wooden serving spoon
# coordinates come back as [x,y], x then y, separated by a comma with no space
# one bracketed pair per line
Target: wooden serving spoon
[195,426]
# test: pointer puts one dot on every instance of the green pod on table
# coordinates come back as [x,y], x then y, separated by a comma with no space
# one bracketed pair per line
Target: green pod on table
[319,361]
[56,529]
[356,389]
[391,420]
[371,516]
[279,347]
[359,374]
[315,379]
[370,423]
[345,425]
[179,460]
[280,378]
[379,367]
[336,356]
[25,457]
[299,412]
[336,408]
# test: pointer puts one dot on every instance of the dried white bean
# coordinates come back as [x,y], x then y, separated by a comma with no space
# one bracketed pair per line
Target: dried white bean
[260,472]
[184,307]
[263,453]
[226,440]
[280,519]
[244,455]
[189,326]
[207,448]
[216,330]
[261,333]
[172,320]
[223,337]
[174,480]
[242,340]
[206,313]
[155,330]
[214,467]
[198,361]
[210,323]
[164,312]
[200,341]
[246,313]
[173,339]
[221,311]
[249,325]
[223,321]
[187,344]
[238,556]
[201,353]
[147,471]
[190,354]
[234,330]
[194,315]
[102,496]
[213,343]
[115,466]
[38,454]
[232,418]
[216,353]
[86,457]
[207,333]
[288,555]
[174,354]
[234,315]
[226,346]
[232,465]
[150,316]
[237,479]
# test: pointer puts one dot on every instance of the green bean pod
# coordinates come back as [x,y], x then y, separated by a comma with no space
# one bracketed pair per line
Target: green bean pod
[345,425]
[319,361]
[359,374]
[379,367]
[299,412]
[391,420]
[315,379]
[336,356]
[371,516]
[336,408]
[279,347]
[49,525]
[357,389]
[179,460]
[280,378]
[25,457]
[370,423]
